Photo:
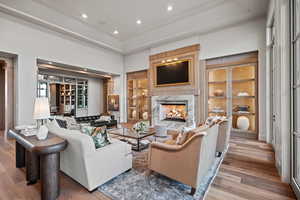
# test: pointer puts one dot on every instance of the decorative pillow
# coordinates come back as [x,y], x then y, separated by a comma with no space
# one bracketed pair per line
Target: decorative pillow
[182,136]
[104,118]
[72,124]
[99,135]
[61,123]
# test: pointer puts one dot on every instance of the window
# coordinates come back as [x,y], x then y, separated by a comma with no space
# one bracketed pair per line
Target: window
[42,89]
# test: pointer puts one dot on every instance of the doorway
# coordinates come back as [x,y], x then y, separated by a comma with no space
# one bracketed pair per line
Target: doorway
[7,97]
[2,95]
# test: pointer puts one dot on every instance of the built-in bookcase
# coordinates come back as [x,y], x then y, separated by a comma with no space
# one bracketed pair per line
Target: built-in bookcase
[137,96]
[232,91]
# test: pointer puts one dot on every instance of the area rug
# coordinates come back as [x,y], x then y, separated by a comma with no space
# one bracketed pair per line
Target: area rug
[137,184]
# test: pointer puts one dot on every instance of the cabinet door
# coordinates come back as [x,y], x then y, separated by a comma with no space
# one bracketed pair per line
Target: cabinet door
[243,94]
[217,92]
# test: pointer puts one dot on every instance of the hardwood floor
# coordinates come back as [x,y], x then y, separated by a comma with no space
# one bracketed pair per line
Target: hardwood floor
[248,172]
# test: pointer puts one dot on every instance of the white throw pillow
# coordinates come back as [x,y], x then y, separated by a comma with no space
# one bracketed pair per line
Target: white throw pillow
[71,123]
[104,118]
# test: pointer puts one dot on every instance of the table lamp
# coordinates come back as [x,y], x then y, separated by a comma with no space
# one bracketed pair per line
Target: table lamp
[41,113]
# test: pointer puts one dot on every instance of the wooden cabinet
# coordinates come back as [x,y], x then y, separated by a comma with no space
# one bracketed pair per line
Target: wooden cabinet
[232,91]
[137,96]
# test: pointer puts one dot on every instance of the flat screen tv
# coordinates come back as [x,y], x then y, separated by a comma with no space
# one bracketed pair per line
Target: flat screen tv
[173,73]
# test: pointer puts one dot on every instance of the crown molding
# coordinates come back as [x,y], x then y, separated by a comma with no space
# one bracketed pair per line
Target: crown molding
[35,20]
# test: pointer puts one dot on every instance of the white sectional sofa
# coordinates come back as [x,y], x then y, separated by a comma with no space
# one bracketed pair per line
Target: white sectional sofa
[87,165]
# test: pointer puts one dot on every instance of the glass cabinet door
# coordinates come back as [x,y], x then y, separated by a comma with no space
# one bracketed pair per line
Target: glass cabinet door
[217,92]
[243,94]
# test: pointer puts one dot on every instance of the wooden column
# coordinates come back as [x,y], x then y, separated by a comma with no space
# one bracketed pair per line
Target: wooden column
[50,176]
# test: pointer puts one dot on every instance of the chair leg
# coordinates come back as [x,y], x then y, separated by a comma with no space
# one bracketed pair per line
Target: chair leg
[193,190]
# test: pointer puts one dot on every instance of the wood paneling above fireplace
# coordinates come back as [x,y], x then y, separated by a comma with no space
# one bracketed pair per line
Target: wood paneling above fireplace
[186,53]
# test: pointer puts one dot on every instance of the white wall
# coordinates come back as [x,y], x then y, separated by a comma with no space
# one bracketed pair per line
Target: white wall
[30,42]
[281,131]
[241,38]
[137,61]
[95,96]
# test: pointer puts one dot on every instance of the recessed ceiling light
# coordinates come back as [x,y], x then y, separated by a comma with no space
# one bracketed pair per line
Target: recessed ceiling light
[84,16]
[50,63]
[170,8]
[138,21]
[116,32]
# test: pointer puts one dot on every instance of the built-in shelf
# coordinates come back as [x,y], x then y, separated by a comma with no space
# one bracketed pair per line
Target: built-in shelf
[217,82]
[137,95]
[243,97]
[237,113]
[217,97]
[230,81]
[243,80]
[212,112]
[243,131]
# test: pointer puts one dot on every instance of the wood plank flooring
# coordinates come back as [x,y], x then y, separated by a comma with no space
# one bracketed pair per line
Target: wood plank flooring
[248,172]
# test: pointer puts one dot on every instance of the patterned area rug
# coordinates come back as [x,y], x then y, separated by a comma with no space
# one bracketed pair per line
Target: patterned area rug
[137,184]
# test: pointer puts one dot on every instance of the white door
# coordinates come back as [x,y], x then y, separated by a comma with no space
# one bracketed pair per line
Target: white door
[296,96]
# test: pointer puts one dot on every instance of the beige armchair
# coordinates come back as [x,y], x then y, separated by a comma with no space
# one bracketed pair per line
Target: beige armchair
[224,135]
[186,163]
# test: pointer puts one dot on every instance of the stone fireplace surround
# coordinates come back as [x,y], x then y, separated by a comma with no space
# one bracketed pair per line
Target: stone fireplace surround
[192,94]
[189,100]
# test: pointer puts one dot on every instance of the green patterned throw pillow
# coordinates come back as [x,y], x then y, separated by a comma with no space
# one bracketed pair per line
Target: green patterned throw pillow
[98,134]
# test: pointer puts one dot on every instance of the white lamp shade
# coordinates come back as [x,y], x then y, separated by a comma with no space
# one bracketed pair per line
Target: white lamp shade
[41,108]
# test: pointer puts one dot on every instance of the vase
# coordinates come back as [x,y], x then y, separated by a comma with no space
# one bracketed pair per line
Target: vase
[145,116]
[243,123]
[42,133]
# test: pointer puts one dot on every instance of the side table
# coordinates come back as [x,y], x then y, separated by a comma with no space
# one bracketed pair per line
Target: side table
[43,154]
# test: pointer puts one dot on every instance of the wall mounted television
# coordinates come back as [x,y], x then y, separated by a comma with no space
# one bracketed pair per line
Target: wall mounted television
[174,73]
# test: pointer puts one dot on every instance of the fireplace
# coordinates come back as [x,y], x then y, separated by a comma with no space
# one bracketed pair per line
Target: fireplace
[173,111]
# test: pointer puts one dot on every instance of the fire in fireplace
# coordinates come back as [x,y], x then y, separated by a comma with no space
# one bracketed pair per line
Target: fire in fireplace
[173,112]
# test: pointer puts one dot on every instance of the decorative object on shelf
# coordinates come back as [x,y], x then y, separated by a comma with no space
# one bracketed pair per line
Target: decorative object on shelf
[217,110]
[239,108]
[145,116]
[113,103]
[133,114]
[218,93]
[243,123]
[25,127]
[243,94]
[27,130]
[41,113]
[244,108]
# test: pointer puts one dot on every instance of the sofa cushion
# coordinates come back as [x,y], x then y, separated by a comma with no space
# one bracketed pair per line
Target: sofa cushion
[99,135]
[170,142]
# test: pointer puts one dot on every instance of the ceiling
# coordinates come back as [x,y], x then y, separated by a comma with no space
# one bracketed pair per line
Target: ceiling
[105,16]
